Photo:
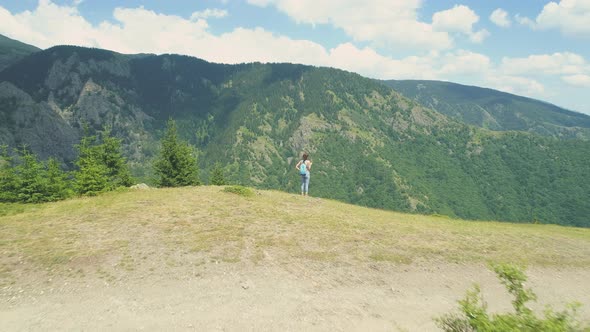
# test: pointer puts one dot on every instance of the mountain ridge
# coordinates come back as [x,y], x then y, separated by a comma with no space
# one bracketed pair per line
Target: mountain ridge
[13,50]
[495,110]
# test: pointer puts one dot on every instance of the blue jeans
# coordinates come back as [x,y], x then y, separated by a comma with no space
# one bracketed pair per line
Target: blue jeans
[304,183]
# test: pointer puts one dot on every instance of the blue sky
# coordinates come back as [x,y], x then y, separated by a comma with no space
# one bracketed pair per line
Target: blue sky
[535,48]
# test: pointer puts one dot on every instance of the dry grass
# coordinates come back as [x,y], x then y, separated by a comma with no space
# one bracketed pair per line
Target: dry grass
[122,231]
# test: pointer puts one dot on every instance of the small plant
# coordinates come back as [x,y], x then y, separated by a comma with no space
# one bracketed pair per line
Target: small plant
[239,190]
[7,209]
[474,315]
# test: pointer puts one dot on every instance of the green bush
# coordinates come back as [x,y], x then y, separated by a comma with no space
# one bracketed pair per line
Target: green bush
[474,316]
[239,190]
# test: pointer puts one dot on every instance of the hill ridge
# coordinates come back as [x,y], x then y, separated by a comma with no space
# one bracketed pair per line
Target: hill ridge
[493,109]
[11,51]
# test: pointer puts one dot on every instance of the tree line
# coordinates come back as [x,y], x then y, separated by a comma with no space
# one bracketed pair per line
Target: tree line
[100,167]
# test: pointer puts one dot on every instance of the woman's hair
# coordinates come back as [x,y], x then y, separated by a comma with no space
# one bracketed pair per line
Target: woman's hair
[305,156]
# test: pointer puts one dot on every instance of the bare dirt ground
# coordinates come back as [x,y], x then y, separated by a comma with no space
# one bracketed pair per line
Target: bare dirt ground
[296,296]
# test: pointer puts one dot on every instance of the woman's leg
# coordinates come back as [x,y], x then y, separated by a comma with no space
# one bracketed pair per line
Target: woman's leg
[307,183]
[303,184]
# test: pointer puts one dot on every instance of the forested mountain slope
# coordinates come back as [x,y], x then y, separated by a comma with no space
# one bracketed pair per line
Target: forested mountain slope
[370,145]
[494,109]
[12,50]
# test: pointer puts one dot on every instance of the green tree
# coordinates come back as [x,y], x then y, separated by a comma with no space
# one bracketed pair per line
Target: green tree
[101,166]
[217,177]
[92,176]
[112,157]
[31,181]
[8,178]
[176,165]
[58,186]
[32,178]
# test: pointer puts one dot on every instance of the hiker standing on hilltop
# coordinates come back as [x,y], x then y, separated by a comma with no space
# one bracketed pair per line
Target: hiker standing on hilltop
[304,166]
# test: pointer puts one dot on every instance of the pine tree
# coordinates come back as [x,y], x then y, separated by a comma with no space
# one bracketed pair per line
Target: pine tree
[92,179]
[58,187]
[92,175]
[33,178]
[112,157]
[31,181]
[101,167]
[217,177]
[8,178]
[176,165]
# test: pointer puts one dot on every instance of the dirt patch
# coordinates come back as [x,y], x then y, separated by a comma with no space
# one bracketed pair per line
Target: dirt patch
[301,295]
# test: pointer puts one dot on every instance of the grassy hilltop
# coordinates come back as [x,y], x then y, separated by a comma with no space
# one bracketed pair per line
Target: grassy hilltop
[123,231]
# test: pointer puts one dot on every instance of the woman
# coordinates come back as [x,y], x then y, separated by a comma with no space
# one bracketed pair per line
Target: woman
[304,167]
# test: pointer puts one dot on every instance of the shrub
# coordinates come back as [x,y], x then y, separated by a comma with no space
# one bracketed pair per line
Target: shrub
[474,316]
[239,190]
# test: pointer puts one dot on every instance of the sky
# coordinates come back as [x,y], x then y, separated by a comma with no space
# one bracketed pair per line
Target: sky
[534,48]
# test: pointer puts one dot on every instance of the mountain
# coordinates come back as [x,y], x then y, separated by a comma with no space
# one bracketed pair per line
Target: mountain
[12,50]
[370,145]
[495,110]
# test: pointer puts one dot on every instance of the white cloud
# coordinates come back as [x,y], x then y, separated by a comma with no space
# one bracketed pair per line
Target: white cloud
[522,20]
[390,23]
[500,18]
[479,36]
[516,85]
[261,3]
[545,64]
[464,62]
[141,30]
[250,45]
[47,25]
[215,13]
[369,63]
[579,80]
[571,17]
[459,19]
